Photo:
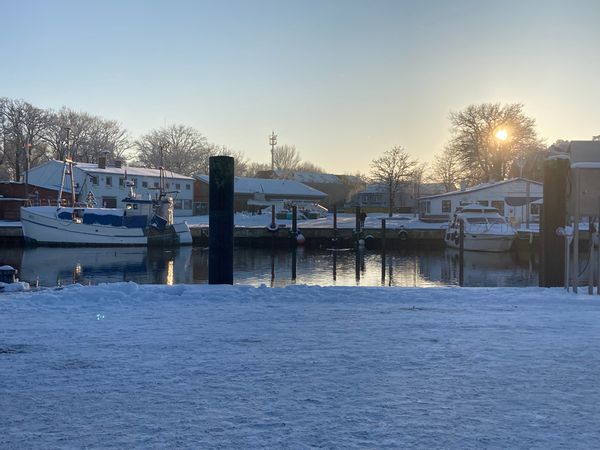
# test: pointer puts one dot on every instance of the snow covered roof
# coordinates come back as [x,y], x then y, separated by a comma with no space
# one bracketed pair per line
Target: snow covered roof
[480,187]
[313,177]
[131,171]
[245,185]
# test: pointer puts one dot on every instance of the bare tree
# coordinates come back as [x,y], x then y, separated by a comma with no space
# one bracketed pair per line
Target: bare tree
[254,168]
[286,157]
[489,137]
[393,169]
[22,128]
[179,148]
[446,169]
[241,165]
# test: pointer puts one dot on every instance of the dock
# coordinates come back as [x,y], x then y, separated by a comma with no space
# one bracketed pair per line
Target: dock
[317,237]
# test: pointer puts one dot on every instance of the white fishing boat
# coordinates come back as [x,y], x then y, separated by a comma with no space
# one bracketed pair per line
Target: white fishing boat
[140,222]
[485,230]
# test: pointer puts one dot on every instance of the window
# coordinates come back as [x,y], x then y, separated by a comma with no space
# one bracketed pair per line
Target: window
[187,204]
[156,184]
[144,184]
[187,187]
[121,182]
[109,202]
[94,179]
[499,205]
[108,181]
[177,186]
[425,207]
[446,206]
[535,208]
[178,204]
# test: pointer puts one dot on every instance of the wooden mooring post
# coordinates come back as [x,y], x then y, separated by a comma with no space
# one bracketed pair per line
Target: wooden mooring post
[554,214]
[220,220]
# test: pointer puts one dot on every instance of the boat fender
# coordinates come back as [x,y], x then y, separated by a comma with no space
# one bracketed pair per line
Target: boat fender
[403,235]
[272,228]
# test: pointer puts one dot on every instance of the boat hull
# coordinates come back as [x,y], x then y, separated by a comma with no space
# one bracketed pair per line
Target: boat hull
[484,243]
[42,226]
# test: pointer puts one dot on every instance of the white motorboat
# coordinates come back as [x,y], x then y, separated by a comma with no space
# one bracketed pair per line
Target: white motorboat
[485,230]
[141,222]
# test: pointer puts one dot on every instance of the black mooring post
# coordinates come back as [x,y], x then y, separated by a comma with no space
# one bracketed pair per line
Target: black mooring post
[294,221]
[461,254]
[220,220]
[554,215]
[357,223]
[334,265]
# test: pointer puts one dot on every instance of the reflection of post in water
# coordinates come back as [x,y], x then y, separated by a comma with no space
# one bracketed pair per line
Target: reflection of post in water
[360,261]
[334,265]
[390,273]
[294,257]
[272,266]
[461,255]
[383,252]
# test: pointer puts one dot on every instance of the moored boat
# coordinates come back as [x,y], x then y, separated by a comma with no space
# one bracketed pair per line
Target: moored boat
[485,230]
[140,222]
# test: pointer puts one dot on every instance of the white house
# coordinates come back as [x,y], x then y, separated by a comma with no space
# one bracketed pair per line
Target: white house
[107,183]
[518,199]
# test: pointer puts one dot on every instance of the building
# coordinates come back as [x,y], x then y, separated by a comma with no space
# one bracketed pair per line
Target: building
[375,196]
[339,188]
[107,183]
[518,199]
[261,192]
[14,194]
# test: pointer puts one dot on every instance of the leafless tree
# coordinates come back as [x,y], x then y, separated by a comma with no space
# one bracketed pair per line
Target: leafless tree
[393,169]
[87,136]
[179,148]
[446,169]
[254,168]
[286,157]
[22,128]
[475,131]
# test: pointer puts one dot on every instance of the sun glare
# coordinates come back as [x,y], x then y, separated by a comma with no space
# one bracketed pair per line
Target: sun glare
[501,134]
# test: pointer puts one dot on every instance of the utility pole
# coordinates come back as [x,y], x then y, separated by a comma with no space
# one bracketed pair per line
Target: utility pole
[273,143]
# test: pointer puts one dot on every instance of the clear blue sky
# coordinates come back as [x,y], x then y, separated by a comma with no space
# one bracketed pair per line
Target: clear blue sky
[342,80]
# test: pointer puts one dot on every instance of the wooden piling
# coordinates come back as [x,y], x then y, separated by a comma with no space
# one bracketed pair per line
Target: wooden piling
[220,255]
[554,213]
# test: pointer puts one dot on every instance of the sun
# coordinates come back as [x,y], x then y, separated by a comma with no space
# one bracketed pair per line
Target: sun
[502,135]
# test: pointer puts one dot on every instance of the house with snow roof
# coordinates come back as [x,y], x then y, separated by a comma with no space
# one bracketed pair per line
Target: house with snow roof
[107,183]
[339,188]
[252,194]
[517,199]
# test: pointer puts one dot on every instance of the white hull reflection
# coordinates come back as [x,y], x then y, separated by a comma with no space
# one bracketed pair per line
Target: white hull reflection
[93,265]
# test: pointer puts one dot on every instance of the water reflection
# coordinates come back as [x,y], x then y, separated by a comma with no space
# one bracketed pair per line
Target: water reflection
[59,266]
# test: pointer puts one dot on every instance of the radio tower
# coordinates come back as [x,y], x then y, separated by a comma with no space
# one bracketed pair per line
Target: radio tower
[273,143]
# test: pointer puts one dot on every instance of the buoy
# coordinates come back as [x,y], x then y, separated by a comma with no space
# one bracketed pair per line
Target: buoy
[300,239]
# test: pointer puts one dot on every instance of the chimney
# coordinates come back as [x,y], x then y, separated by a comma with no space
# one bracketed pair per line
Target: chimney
[118,163]
[102,159]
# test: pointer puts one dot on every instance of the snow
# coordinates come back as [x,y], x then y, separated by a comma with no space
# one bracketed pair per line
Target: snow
[246,185]
[197,366]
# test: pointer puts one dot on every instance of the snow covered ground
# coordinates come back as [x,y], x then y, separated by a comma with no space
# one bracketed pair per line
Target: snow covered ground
[196,366]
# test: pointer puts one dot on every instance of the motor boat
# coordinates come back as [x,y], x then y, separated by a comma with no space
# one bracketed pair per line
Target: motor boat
[485,230]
